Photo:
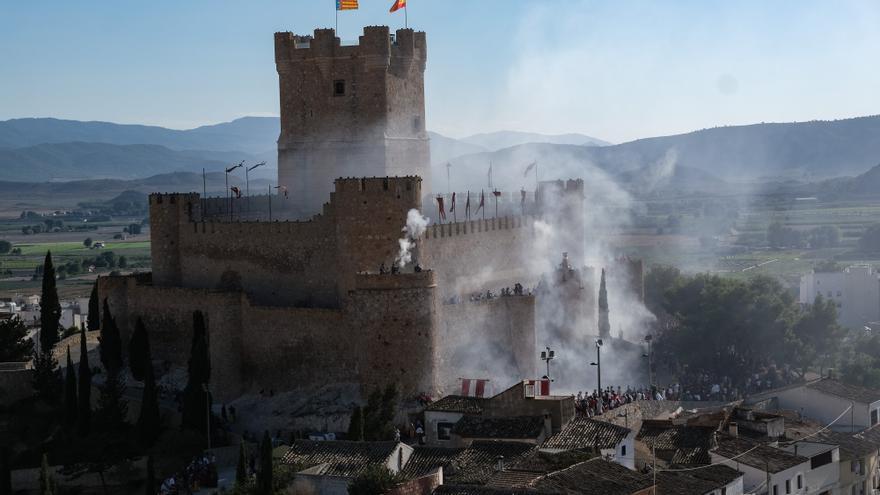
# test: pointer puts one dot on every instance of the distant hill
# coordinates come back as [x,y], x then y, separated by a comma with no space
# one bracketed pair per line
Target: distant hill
[248,134]
[445,148]
[808,150]
[72,161]
[494,141]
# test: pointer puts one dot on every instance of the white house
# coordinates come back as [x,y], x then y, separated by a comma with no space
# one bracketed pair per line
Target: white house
[824,473]
[614,442]
[855,291]
[782,471]
[826,400]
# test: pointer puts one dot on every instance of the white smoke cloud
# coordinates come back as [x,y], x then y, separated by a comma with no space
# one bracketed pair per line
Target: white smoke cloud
[416,225]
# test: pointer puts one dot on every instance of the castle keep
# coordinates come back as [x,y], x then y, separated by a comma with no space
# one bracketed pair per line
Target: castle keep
[301,304]
[349,111]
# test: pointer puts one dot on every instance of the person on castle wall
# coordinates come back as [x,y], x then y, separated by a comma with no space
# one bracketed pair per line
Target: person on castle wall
[418,268]
[395,269]
[382,269]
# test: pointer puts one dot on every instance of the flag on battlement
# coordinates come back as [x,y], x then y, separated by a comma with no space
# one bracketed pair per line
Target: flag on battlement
[236,191]
[346,4]
[452,206]
[398,4]
[467,206]
[441,208]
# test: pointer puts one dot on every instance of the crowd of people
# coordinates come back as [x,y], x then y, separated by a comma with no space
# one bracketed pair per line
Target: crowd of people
[201,472]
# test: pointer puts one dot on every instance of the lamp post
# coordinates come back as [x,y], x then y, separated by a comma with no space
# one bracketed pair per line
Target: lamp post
[228,196]
[548,356]
[598,365]
[247,185]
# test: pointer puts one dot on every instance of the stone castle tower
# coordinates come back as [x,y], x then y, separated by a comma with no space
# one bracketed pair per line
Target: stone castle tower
[350,111]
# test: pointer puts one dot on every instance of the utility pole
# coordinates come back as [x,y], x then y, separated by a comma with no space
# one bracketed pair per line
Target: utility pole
[650,339]
[598,365]
[548,356]
[228,195]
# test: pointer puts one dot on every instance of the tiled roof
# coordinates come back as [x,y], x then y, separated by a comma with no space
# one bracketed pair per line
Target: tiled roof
[450,489]
[871,435]
[520,427]
[475,464]
[851,446]
[695,482]
[596,476]
[586,433]
[340,458]
[514,478]
[849,392]
[757,455]
[677,444]
[459,404]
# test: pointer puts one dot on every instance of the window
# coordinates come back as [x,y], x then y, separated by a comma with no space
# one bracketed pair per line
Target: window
[623,451]
[339,87]
[775,489]
[800,482]
[820,460]
[874,417]
[444,431]
[787,486]
[838,293]
[724,490]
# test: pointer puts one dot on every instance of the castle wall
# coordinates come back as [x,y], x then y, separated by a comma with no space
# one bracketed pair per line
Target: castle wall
[476,255]
[492,339]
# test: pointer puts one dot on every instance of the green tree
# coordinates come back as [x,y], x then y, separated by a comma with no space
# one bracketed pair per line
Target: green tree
[241,475]
[5,246]
[70,404]
[123,262]
[94,318]
[356,425]
[111,342]
[870,240]
[112,406]
[139,351]
[264,474]
[87,242]
[196,400]
[825,236]
[46,378]
[149,420]
[658,281]
[47,483]
[604,324]
[14,344]
[150,483]
[50,307]
[818,333]
[378,414]
[84,412]
[375,480]
[5,471]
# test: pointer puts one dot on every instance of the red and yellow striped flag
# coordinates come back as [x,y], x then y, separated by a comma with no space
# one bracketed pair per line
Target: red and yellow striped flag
[346,4]
[398,4]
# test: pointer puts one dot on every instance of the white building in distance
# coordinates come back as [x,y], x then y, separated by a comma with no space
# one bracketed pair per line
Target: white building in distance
[855,291]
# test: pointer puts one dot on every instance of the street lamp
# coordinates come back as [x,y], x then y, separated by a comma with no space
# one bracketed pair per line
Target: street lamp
[247,184]
[598,365]
[228,196]
[649,339]
[548,356]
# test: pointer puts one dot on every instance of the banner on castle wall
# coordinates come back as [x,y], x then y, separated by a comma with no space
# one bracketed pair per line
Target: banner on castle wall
[475,387]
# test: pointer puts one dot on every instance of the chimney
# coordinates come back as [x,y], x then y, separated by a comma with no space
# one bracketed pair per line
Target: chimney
[499,463]
[733,429]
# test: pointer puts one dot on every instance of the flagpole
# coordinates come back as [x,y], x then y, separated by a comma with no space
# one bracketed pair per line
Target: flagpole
[336,9]
[270,202]
[406,17]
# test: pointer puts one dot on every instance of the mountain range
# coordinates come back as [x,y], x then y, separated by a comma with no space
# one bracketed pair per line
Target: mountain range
[43,149]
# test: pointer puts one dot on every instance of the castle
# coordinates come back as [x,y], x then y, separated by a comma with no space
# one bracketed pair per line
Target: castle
[298,304]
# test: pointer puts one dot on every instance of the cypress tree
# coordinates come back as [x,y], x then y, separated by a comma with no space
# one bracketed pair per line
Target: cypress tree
[47,484]
[50,307]
[356,425]
[84,412]
[241,476]
[111,342]
[112,407]
[264,475]
[604,324]
[196,400]
[46,378]
[149,420]
[139,352]
[70,405]
[94,319]
[150,484]
[5,472]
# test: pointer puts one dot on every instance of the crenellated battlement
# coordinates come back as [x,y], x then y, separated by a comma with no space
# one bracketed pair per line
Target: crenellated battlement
[469,227]
[376,41]
[173,198]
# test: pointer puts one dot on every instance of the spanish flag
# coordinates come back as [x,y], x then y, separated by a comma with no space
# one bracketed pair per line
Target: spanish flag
[398,4]
[346,4]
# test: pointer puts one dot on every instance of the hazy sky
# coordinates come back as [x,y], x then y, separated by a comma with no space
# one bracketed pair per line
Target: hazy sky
[614,70]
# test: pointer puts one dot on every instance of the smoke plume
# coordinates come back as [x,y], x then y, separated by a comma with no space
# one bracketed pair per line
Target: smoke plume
[416,224]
